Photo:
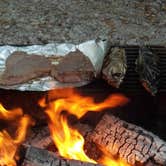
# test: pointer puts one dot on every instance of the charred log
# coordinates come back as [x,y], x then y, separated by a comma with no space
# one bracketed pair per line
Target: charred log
[39,138]
[116,137]
[129,142]
[39,157]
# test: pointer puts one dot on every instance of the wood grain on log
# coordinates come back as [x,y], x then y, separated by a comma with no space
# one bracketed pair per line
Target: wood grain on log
[84,129]
[39,157]
[128,141]
[39,138]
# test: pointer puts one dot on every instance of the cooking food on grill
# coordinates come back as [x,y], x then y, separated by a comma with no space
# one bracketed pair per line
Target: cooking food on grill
[115,66]
[148,70]
[74,67]
[21,67]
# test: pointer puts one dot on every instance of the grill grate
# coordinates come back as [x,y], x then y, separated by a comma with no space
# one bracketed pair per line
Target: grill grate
[131,81]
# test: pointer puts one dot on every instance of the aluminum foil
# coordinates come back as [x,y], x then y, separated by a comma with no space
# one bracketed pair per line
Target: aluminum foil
[94,49]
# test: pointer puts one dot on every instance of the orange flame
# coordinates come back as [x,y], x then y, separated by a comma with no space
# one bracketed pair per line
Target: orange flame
[109,161]
[69,141]
[78,105]
[9,145]
[9,115]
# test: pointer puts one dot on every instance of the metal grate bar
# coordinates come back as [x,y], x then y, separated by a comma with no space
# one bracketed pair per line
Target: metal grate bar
[132,80]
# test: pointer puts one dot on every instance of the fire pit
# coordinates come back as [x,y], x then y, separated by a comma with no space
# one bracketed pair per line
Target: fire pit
[104,138]
[115,113]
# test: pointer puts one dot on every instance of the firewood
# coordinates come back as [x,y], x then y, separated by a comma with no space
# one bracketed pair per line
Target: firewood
[39,138]
[84,129]
[40,157]
[128,141]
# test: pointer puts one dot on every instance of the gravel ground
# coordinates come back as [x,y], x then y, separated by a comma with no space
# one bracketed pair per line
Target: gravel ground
[124,22]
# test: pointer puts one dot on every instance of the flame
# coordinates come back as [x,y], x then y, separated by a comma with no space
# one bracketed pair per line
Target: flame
[109,161]
[9,145]
[9,114]
[69,141]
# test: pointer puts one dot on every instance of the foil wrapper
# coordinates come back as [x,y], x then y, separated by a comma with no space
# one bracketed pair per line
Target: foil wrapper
[115,66]
[147,66]
[95,50]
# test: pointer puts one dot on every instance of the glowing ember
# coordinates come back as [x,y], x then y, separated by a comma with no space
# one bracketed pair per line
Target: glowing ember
[109,161]
[69,141]
[9,145]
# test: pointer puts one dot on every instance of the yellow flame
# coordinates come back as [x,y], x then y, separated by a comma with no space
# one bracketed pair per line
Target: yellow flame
[9,145]
[69,141]
[9,114]
[24,123]
[7,149]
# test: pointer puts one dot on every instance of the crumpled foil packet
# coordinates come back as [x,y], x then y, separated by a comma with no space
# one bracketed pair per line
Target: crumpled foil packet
[115,66]
[147,66]
[94,49]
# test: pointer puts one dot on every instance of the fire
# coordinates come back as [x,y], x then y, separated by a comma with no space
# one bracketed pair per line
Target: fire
[9,114]
[109,161]
[78,105]
[9,145]
[69,141]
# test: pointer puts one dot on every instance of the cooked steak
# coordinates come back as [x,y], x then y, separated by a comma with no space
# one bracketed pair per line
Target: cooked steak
[21,67]
[74,67]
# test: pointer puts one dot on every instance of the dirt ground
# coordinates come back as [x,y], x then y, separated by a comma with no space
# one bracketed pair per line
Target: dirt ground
[124,22]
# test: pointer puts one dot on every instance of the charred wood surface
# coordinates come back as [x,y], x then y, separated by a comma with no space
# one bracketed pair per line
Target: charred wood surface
[39,157]
[39,138]
[129,142]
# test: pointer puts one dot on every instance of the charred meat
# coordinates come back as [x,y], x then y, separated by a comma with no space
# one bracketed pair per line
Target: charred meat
[74,67]
[22,67]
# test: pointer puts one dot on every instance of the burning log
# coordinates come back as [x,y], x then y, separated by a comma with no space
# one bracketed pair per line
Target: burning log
[40,138]
[40,157]
[130,142]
